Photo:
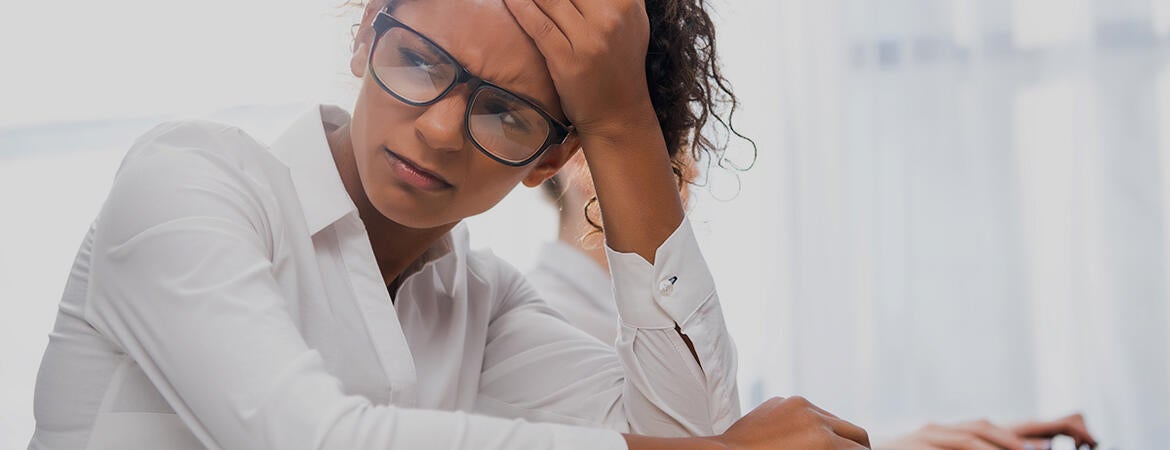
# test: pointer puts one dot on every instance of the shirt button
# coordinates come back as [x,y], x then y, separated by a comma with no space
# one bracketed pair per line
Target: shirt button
[666,286]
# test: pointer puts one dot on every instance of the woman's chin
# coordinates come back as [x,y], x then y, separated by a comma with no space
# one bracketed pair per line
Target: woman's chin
[412,213]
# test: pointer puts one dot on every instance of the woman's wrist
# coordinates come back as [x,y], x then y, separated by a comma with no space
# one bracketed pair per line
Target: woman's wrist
[637,121]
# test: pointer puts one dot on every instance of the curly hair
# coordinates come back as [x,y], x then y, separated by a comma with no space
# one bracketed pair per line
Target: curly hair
[687,89]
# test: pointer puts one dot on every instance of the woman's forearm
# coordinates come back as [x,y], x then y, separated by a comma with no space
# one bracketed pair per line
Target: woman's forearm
[636,187]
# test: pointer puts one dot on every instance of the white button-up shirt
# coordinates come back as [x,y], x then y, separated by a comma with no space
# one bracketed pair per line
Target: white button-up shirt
[227,297]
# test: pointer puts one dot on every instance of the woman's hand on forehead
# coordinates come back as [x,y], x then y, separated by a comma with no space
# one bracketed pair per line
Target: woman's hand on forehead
[596,53]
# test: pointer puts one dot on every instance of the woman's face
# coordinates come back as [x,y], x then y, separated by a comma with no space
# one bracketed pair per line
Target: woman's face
[483,36]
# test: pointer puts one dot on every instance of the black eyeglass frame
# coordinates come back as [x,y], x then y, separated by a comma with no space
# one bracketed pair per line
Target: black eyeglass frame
[558,132]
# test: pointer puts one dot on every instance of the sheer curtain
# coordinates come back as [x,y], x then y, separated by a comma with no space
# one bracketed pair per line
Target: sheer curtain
[974,209]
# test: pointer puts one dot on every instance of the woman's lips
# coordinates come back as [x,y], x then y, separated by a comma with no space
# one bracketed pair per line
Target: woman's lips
[413,175]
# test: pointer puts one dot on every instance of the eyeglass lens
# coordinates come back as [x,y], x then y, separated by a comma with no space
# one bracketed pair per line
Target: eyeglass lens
[412,68]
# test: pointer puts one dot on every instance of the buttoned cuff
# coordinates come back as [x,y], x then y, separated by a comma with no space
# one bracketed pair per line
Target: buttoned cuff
[667,292]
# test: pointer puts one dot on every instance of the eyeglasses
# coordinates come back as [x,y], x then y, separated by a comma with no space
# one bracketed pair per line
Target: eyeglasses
[416,71]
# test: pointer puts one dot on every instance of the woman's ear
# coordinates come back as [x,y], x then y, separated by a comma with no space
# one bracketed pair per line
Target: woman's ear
[359,58]
[552,161]
[364,39]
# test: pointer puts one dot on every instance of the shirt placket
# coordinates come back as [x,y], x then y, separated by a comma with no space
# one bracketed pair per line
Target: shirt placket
[369,291]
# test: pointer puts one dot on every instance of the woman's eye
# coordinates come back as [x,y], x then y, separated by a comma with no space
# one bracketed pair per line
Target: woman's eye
[513,121]
[415,60]
[509,117]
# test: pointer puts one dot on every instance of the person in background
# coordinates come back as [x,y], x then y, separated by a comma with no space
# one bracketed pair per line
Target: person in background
[572,274]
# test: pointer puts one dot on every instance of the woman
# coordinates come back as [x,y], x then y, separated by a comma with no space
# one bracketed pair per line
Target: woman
[320,294]
[572,274]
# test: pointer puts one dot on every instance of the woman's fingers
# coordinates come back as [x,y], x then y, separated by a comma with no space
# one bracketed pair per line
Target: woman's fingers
[596,54]
[849,444]
[543,30]
[843,428]
[840,426]
[792,423]
[564,14]
[822,411]
[848,430]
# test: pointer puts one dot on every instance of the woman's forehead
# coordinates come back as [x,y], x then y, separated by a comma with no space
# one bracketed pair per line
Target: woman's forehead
[484,37]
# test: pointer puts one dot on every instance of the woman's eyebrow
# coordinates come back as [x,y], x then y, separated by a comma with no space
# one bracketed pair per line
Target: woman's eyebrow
[430,49]
[520,79]
[533,100]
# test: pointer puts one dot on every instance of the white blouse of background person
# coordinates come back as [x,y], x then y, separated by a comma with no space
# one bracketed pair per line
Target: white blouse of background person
[577,287]
[227,297]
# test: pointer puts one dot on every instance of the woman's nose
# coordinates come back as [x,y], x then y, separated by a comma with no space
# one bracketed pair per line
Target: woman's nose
[440,125]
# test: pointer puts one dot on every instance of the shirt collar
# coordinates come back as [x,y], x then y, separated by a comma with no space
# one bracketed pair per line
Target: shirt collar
[304,149]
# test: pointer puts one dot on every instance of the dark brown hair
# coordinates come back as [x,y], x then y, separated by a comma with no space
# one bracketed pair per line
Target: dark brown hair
[687,89]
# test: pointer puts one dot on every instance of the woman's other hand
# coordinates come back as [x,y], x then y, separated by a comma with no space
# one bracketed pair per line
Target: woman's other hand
[778,424]
[792,423]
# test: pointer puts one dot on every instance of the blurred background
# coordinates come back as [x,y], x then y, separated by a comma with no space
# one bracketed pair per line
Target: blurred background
[960,208]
